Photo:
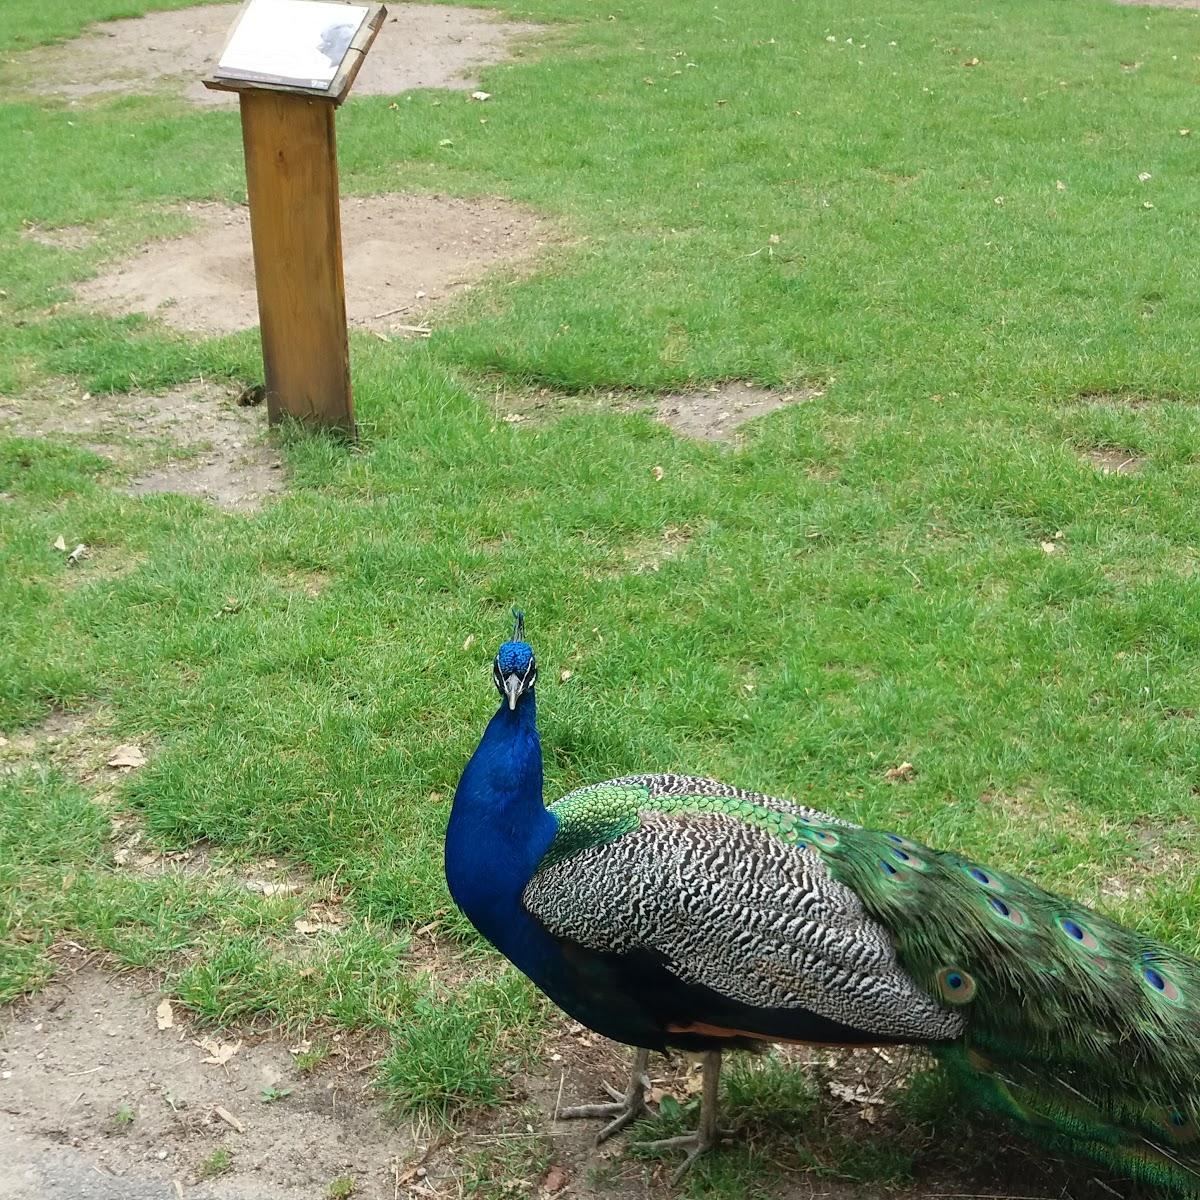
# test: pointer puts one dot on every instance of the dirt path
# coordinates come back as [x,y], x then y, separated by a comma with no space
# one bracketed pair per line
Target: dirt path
[420,46]
[97,1101]
[403,254]
[194,440]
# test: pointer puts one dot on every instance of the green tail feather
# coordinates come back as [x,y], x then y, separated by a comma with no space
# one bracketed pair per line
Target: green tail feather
[1058,1113]
[1087,1033]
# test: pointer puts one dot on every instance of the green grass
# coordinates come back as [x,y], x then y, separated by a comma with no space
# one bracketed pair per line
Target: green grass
[446,1050]
[863,582]
[217,1163]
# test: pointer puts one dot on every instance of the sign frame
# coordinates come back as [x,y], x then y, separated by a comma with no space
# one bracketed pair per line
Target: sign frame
[343,79]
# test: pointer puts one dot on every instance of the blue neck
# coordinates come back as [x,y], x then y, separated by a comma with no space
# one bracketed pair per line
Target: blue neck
[499,830]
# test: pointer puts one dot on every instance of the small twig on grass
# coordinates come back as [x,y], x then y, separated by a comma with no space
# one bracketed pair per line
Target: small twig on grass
[562,1079]
[411,1171]
[229,1118]
[484,1139]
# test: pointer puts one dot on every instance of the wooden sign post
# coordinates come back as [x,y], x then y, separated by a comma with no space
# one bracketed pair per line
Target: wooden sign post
[292,63]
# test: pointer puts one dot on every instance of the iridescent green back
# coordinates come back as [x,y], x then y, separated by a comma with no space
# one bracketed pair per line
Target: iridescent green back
[602,812]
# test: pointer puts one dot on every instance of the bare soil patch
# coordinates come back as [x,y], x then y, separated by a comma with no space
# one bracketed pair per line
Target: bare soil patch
[311,583]
[1111,461]
[716,413]
[76,742]
[420,46]
[649,554]
[1192,4]
[193,440]
[1026,809]
[402,255]
[709,414]
[1163,854]
[65,237]
[1131,399]
[99,1103]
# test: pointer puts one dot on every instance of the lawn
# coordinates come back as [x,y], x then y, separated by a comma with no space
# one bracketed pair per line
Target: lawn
[971,229]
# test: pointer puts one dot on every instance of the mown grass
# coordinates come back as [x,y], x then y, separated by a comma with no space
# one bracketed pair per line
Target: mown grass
[863,582]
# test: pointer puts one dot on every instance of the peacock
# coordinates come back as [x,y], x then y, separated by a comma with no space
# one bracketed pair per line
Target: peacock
[670,911]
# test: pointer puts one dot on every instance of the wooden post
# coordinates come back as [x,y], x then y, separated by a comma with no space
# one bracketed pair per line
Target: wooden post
[296,227]
[292,185]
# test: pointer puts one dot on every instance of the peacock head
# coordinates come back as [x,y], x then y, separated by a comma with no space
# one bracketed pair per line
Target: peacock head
[515,669]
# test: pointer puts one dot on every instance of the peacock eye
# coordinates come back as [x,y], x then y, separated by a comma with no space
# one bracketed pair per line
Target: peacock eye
[984,878]
[955,985]
[1179,1127]
[1159,983]
[1079,933]
[1014,916]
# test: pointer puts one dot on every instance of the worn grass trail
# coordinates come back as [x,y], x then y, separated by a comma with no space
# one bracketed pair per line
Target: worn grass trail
[924,564]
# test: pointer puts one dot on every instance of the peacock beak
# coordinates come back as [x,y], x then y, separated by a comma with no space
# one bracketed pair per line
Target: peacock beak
[514,685]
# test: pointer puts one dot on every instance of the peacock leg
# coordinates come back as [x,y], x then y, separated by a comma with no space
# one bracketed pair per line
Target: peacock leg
[707,1134]
[625,1108]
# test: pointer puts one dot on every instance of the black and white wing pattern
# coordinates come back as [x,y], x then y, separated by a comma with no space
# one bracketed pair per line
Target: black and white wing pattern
[725,904]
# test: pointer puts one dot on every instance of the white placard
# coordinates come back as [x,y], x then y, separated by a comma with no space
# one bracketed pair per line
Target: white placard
[296,42]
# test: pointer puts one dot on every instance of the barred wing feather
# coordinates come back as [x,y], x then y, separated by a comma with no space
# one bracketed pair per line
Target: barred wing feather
[730,907]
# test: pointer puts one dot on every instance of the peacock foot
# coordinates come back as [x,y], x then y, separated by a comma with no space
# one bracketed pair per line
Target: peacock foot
[695,1144]
[626,1107]
[708,1134]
